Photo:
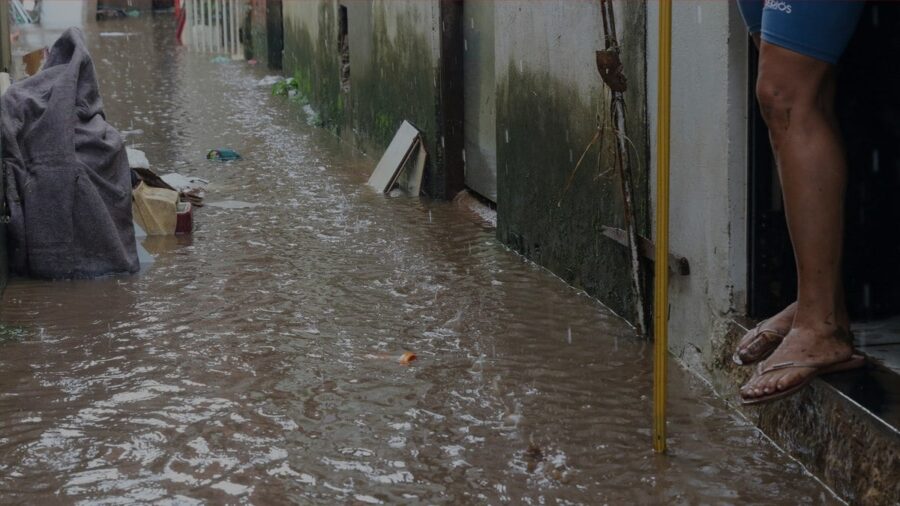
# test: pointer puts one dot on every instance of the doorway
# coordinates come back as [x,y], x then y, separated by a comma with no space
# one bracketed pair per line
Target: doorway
[480,128]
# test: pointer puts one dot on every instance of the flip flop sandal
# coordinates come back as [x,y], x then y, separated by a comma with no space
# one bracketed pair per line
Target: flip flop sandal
[820,368]
[760,346]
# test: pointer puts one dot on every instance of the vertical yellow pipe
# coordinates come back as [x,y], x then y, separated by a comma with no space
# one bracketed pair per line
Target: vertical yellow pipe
[661,260]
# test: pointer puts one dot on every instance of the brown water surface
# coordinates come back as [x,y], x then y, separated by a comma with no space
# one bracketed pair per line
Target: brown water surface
[255,361]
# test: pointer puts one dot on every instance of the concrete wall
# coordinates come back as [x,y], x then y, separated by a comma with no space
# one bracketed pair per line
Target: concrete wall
[708,170]
[258,48]
[5,63]
[549,100]
[395,73]
[480,98]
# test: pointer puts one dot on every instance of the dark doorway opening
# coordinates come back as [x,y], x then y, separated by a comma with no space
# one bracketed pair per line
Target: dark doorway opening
[344,48]
[274,33]
[869,111]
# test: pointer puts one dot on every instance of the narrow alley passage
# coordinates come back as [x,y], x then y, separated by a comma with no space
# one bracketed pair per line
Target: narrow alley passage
[256,360]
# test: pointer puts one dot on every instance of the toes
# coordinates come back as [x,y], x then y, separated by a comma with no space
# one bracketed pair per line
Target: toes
[752,389]
[772,383]
[788,380]
[764,385]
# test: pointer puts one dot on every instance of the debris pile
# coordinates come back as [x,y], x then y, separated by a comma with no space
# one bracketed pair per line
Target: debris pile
[68,179]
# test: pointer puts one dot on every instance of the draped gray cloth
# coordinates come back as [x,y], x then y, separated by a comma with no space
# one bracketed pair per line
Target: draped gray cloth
[68,183]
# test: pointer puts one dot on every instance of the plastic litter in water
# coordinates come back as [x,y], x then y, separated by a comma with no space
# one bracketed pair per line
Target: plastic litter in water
[137,159]
[181,182]
[223,154]
[221,59]
[270,80]
[408,358]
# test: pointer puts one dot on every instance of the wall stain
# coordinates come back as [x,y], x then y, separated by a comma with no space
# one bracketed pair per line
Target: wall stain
[399,83]
[543,128]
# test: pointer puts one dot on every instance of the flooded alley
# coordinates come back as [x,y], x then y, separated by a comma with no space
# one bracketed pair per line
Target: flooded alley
[256,360]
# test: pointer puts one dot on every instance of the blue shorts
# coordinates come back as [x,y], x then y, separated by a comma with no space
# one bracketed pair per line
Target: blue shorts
[820,29]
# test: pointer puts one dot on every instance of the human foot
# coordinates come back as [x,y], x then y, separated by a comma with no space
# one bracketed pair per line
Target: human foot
[760,341]
[803,354]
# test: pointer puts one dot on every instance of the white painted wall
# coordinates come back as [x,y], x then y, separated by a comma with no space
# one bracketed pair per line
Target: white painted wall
[708,167]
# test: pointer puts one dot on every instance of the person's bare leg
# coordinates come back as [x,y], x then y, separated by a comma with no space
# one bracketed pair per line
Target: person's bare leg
[796,95]
[748,347]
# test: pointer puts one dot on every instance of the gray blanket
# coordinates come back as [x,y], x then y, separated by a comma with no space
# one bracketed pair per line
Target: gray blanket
[68,181]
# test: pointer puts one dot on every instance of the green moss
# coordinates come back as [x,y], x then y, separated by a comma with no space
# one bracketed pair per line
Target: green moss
[286,87]
[543,128]
[398,84]
[315,66]
[11,334]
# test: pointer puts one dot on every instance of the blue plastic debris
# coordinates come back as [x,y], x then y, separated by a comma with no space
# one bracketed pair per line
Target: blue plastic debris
[223,155]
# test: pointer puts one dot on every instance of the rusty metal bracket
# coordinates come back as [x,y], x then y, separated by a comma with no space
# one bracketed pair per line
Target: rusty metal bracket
[611,70]
[677,264]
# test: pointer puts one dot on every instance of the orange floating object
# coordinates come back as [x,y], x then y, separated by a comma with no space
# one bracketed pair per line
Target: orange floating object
[407,357]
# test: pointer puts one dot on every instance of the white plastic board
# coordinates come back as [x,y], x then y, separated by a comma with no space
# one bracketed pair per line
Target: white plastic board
[394,158]
[411,178]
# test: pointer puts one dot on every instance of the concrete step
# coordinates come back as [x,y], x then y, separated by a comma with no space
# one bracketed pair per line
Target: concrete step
[845,428]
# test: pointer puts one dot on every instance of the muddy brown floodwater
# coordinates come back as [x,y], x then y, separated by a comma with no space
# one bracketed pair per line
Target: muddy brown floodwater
[256,361]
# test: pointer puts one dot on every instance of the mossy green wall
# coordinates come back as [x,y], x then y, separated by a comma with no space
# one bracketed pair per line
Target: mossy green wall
[549,101]
[395,73]
[393,68]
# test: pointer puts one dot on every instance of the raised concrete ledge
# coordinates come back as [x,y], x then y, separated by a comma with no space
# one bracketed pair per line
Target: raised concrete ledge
[843,428]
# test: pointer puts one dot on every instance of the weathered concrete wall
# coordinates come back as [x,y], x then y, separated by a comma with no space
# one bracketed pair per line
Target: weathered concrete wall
[4,268]
[394,56]
[480,98]
[266,38]
[708,170]
[259,48]
[549,101]
[395,71]
[5,58]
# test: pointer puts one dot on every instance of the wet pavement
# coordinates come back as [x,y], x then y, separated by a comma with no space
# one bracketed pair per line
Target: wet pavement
[256,361]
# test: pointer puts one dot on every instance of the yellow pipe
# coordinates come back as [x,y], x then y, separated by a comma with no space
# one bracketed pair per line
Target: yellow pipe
[661,257]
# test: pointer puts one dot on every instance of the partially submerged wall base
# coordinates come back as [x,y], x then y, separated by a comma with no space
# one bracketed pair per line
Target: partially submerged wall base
[403,63]
[4,269]
[553,111]
[853,451]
